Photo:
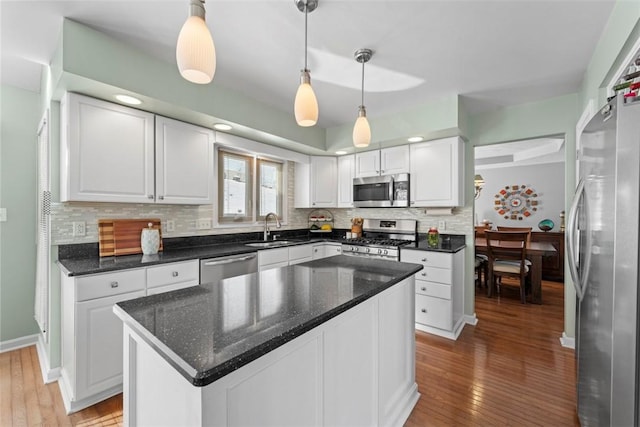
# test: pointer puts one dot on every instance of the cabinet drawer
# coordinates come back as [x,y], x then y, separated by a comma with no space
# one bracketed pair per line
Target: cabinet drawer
[169,288]
[434,312]
[432,274]
[273,256]
[169,274]
[433,289]
[427,258]
[109,284]
[300,252]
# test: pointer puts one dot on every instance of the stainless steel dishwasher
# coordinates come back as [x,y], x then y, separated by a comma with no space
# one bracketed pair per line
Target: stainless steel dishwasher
[216,269]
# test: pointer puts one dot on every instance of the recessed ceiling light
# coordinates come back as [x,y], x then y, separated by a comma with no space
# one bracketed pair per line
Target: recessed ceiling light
[341,152]
[128,99]
[415,139]
[222,126]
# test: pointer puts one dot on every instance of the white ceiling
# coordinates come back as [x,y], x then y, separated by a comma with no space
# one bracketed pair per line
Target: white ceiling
[519,153]
[494,53]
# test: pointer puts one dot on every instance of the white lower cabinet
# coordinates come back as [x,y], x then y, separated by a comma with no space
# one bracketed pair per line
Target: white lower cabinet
[357,369]
[326,249]
[92,333]
[299,254]
[273,258]
[439,291]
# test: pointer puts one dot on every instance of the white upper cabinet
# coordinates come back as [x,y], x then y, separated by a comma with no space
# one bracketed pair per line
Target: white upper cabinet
[184,163]
[346,173]
[112,153]
[107,152]
[387,161]
[437,173]
[316,183]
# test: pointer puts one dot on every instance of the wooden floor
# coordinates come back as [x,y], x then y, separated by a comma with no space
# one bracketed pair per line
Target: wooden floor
[507,370]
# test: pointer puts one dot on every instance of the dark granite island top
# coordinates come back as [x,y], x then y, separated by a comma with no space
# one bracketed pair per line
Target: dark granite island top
[208,331]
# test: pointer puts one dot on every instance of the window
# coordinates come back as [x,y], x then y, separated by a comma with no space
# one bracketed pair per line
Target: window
[238,175]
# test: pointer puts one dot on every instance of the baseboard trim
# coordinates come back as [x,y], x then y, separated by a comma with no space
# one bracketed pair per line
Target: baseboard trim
[567,342]
[471,319]
[72,406]
[48,375]
[18,343]
[452,335]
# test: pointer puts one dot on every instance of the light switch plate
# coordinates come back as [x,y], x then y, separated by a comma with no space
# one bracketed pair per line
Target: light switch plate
[442,225]
[171,225]
[3,214]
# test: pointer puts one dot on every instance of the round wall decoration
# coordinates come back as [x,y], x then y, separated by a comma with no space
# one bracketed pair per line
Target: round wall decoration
[516,202]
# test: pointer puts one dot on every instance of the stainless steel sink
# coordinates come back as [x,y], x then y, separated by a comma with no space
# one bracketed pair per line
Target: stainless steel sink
[268,244]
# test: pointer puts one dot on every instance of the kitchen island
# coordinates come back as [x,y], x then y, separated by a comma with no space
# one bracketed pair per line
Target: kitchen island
[326,342]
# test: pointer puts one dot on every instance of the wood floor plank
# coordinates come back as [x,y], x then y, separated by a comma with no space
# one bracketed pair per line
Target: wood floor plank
[34,416]
[5,389]
[18,407]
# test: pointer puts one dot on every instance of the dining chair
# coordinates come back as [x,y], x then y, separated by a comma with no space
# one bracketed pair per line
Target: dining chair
[527,230]
[507,250]
[481,261]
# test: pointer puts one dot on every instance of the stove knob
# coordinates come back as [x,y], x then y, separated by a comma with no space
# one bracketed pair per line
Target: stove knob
[368,250]
[354,249]
[386,252]
[379,251]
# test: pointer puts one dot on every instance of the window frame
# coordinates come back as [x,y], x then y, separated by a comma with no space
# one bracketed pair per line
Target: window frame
[253,218]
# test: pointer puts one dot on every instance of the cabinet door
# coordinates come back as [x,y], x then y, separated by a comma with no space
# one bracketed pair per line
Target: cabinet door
[368,164]
[437,173]
[106,152]
[184,163]
[324,182]
[346,173]
[394,160]
[99,344]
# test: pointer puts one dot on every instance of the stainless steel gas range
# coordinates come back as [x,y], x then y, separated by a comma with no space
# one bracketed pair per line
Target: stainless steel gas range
[382,238]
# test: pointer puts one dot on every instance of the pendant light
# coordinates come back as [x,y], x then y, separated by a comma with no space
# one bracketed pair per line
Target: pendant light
[306,105]
[361,130]
[195,52]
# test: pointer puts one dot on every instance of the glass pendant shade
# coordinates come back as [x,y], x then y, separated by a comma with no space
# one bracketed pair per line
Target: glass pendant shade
[361,130]
[306,105]
[195,52]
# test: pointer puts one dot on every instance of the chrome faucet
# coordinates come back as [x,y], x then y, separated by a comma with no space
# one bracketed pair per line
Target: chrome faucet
[266,224]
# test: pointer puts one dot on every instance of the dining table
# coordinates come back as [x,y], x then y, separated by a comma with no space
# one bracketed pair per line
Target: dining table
[534,253]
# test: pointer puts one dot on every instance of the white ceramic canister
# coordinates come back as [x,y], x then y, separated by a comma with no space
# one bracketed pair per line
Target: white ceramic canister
[150,240]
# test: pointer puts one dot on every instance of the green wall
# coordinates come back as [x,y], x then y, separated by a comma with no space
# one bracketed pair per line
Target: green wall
[19,118]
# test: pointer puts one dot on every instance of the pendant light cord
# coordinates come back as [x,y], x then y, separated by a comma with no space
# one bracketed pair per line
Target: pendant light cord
[362,100]
[306,10]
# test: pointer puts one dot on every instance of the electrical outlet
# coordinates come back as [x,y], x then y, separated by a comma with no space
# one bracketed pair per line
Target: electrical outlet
[442,225]
[204,224]
[170,225]
[79,228]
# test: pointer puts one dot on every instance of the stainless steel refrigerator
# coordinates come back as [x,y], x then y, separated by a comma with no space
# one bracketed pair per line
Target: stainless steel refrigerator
[602,245]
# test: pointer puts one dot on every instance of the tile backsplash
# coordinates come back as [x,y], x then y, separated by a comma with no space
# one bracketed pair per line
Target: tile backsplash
[186,217]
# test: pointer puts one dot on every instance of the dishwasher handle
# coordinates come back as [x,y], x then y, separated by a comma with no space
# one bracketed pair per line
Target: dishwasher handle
[229,260]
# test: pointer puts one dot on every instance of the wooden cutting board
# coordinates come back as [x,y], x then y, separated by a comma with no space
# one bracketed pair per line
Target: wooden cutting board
[122,236]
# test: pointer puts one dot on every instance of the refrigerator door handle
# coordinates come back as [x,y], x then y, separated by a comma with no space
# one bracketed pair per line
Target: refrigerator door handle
[570,239]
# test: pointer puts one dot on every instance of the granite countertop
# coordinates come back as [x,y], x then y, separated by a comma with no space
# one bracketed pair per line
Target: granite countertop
[210,330]
[79,266]
[79,262]
[449,243]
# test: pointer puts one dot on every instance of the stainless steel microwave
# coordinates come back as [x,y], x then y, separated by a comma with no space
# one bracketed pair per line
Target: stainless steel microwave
[390,191]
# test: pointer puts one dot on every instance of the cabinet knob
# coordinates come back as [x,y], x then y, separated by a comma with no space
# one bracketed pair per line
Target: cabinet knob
[423,274]
[412,203]
[424,310]
[423,289]
[150,197]
[174,274]
[423,260]
[381,171]
[161,197]
[314,203]
[114,284]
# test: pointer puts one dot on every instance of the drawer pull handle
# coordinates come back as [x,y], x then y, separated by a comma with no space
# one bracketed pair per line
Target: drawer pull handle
[424,310]
[424,260]
[174,274]
[114,284]
[424,288]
